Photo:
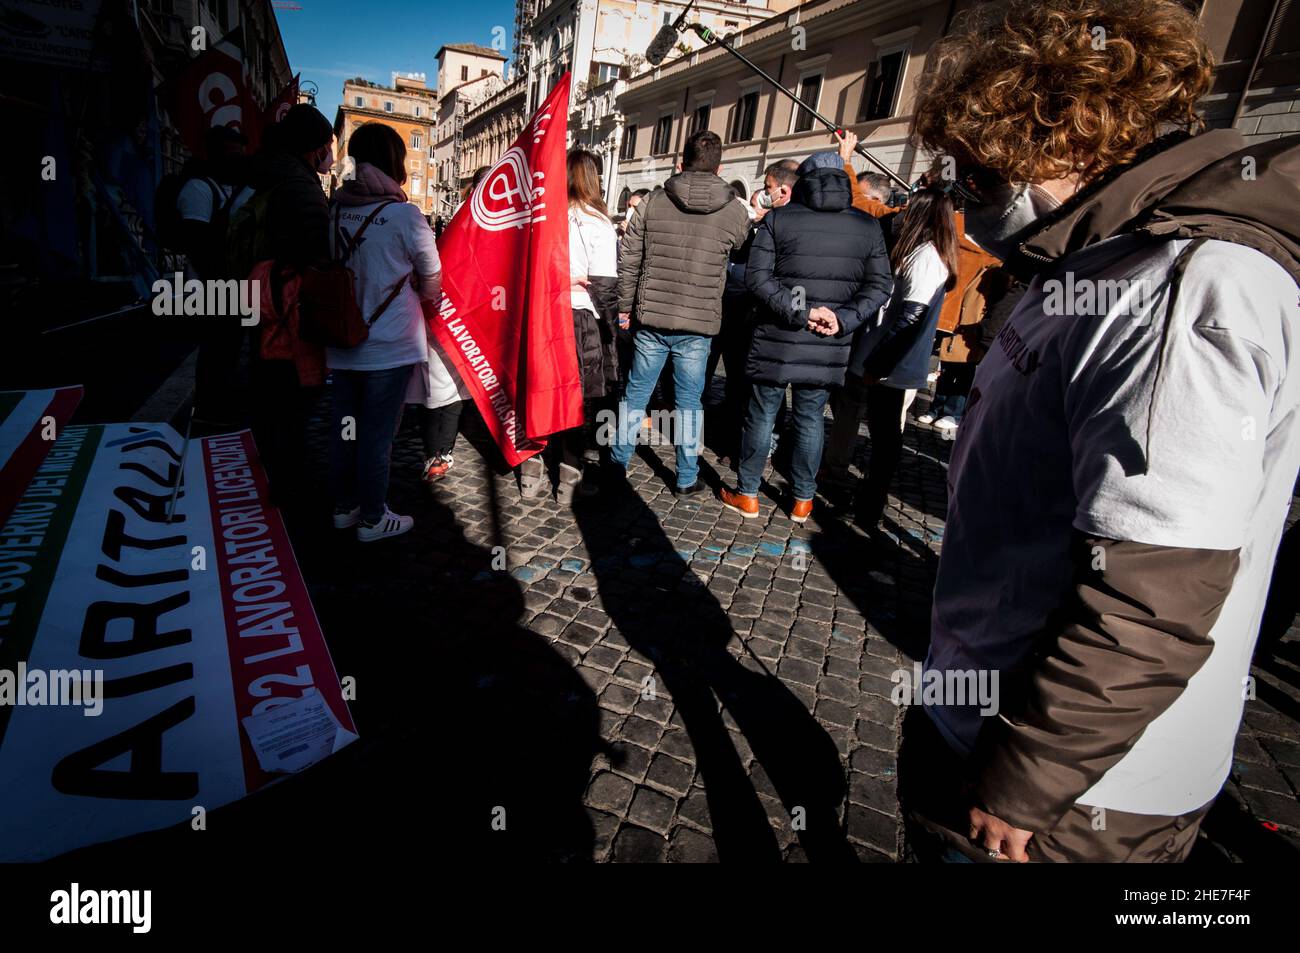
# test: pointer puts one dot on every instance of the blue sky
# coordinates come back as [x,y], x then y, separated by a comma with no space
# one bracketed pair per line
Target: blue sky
[329,41]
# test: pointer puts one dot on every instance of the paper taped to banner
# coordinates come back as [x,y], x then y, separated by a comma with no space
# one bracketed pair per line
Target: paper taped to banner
[172,634]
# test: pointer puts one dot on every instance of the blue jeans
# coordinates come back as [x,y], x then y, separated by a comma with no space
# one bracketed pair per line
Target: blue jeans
[690,355]
[809,434]
[360,452]
[948,405]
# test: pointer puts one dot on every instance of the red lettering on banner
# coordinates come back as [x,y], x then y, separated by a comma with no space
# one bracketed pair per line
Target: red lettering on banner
[277,650]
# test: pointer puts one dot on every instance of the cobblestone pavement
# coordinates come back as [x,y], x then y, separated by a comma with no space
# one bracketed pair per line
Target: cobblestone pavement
[641,677]
[652,678]
[646,678]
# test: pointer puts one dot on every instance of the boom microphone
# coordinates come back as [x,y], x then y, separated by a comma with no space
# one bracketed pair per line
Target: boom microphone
[666,38]
[661,45]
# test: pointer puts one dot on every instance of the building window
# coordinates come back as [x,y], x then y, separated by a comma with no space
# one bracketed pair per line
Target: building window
[415,185]
[699,120]
[663,137]
[880,91]
[628,148]
[419,111]
[417,141]
[360,101]
[464,73]
[607,71]
[742,121]
[388,105]
[482,73]
[668,17]
[810,91]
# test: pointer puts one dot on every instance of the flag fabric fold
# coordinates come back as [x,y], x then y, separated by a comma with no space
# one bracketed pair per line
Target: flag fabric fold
[504,322]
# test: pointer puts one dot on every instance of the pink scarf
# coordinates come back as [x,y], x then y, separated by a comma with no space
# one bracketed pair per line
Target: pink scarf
[369,186]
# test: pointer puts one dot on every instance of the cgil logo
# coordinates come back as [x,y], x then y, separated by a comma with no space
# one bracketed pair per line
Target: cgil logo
[76,906]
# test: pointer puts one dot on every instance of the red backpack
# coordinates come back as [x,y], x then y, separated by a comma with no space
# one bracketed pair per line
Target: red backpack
[329,314]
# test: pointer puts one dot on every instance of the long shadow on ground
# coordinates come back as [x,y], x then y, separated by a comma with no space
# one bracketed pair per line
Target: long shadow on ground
[665,615]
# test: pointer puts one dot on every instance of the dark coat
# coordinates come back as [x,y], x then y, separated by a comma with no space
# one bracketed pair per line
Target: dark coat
[674,255]
[595,334]
[817,251]
[298,218]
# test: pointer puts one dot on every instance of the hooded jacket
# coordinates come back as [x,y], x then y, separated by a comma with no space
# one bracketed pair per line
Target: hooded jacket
[674,261]
[815,251]
[396,267]
[297,217]
[1118,489]
[1209,186]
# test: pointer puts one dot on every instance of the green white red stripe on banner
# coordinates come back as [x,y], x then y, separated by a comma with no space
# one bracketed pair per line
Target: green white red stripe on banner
[192,624]
[30,422]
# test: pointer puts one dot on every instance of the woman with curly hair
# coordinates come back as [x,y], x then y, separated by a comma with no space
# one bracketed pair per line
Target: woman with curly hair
[1128,452]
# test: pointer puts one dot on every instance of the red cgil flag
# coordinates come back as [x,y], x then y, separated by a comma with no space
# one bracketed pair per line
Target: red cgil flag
[275,110]
[504,323]
[213,91]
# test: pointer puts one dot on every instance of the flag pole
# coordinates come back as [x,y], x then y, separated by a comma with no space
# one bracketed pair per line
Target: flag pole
[708,36]
[180,470]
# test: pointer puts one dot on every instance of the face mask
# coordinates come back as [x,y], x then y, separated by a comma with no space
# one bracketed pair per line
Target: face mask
[765,199]
[326,163]
[1006,219]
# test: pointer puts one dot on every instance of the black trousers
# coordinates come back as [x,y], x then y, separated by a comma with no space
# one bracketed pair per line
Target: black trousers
[440,426]
[220,343]
[884,418]
[281,410]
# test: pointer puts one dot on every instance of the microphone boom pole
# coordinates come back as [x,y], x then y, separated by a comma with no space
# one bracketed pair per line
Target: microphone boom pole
[708,36]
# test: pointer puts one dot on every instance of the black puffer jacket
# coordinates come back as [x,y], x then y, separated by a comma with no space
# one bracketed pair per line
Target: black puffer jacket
[817,251]
[674,261]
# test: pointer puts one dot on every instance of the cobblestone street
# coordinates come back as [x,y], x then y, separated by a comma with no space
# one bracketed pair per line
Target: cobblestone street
[646,678]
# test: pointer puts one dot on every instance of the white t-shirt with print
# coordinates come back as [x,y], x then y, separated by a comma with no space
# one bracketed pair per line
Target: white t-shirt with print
[1054,439]
[397,246]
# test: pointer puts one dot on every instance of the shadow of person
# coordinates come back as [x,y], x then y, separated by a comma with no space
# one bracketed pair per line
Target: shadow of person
[683,630]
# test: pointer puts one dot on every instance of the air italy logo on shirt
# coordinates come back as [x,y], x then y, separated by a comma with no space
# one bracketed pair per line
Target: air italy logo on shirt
[1022,358]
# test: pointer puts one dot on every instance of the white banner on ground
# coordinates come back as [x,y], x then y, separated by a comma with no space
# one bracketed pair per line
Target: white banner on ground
[30,422]
[188,627]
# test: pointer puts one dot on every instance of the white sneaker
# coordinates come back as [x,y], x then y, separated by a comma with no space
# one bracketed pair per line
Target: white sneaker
[925,418]
[347,520]
[946,423]
[390,524]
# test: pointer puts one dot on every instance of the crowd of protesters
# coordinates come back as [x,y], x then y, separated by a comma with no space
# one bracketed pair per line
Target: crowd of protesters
[1111,525]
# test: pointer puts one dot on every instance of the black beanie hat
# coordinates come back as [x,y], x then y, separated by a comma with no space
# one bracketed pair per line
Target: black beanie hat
[302,129]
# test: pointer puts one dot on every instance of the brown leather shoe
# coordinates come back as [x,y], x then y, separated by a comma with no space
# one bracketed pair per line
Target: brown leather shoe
[746,506]
[801,510]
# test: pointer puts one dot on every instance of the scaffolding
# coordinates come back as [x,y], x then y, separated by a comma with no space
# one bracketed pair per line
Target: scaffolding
[524,11]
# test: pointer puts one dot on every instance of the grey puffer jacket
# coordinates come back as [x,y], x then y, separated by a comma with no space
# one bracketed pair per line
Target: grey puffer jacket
[674,262]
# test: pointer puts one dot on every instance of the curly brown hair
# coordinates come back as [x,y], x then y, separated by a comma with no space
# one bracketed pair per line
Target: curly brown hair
[1023,90]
